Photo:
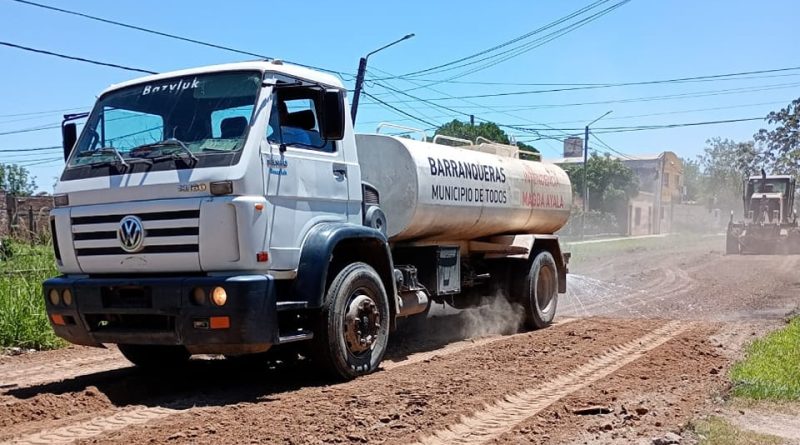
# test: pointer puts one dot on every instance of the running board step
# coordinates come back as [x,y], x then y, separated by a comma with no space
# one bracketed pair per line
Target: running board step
[297,336]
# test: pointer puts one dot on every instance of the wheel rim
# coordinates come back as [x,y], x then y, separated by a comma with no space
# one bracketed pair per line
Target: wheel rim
[545,285]
[362,323]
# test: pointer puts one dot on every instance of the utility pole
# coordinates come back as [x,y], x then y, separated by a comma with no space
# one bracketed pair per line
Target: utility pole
[472,119]
[585,168]
[362,71]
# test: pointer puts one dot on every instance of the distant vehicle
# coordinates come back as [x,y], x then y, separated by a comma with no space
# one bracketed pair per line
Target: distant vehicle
[229,209]
[770,224]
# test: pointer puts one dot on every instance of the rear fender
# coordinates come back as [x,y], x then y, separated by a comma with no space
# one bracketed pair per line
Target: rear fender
[537,243]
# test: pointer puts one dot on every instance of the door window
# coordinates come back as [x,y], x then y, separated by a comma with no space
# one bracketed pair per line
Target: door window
[294,121]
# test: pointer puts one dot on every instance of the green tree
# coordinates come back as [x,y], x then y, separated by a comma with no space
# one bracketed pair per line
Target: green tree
[782,143]
[692,179]
[488,130]
[611,184]
[725,165]
[16,180]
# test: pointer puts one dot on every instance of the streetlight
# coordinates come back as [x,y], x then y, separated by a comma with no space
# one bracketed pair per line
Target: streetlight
[362,69]
[585,164]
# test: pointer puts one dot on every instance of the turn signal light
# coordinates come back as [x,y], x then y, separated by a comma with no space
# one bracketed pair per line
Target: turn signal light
[262,257]
[218,296]
[61,200]
[219,322]
[221,188]
[58,319]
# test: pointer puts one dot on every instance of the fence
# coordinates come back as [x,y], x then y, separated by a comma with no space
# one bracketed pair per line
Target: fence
[25,217]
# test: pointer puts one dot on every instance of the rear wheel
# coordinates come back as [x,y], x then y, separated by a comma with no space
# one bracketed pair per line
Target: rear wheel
[353,328]
[155,356]
[537,291]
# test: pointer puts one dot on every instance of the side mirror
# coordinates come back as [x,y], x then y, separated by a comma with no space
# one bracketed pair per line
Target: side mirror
[69,134]
[331,123]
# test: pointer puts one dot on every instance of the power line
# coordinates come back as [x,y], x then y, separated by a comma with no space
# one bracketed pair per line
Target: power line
[509,42]
[608,146]
[625,117]
[399,110]
[161,33]
[36,113]
[521,49]
[29,154]
[39,162]
[523,93]
[79,59]
[435,104]
[24,150]
[606,84]
[679,80]
[692,95]
[28,130]
[604,130]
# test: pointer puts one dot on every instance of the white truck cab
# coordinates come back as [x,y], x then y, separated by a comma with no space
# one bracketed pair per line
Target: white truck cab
[222,210]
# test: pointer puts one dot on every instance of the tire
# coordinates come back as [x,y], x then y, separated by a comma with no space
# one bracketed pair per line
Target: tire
[155,356]
[537,291]
[352,331]
[731,245]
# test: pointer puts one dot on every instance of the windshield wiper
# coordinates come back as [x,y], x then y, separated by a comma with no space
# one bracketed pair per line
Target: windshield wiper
[105,151]
[166,143]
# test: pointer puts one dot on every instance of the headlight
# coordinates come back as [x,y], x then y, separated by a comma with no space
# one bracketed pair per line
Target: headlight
[66,297]
[219,296]
[54,297]
[199,296]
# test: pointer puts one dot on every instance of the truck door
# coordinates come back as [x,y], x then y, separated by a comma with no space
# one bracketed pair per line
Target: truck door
[305,177]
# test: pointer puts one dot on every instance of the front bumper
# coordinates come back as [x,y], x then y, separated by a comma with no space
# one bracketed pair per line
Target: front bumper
[161,311]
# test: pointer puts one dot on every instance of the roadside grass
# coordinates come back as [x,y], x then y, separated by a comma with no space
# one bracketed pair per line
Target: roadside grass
[23,321]
[770,369]
[717,431]
[623,245]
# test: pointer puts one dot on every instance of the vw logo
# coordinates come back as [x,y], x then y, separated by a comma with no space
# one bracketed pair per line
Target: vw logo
[131,234]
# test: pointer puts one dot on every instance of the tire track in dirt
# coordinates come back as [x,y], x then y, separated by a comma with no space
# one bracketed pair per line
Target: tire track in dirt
[94,427]
[125,417]
[62,370]
[458,347]
[504,414]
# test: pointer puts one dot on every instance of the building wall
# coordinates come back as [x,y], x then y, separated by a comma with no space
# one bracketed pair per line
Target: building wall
[15,216]
[640,215]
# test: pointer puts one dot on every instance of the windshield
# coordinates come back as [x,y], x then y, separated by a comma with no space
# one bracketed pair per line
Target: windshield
[199,119]
[768,186]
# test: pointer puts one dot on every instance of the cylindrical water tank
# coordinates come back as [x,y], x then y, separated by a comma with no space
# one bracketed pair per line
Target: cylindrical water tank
[437,192]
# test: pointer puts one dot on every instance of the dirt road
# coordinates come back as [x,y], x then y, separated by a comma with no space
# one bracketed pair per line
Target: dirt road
[643,343]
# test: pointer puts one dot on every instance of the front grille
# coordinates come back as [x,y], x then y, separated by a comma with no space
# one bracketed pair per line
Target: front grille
[130,322]
[164,232]
[133,297]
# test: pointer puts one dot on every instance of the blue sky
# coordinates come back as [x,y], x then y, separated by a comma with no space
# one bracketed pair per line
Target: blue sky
[642,40]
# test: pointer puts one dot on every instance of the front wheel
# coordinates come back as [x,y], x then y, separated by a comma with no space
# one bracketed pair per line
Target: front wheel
[155,356]
[537,291]
[353,328]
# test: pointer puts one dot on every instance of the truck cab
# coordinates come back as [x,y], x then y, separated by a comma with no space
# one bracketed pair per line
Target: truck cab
[222,210]
[770,222]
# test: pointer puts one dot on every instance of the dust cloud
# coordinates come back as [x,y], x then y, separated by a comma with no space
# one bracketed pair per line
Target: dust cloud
[495,315]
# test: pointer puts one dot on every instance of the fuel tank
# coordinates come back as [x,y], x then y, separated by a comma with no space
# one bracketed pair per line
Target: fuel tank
[439,192]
